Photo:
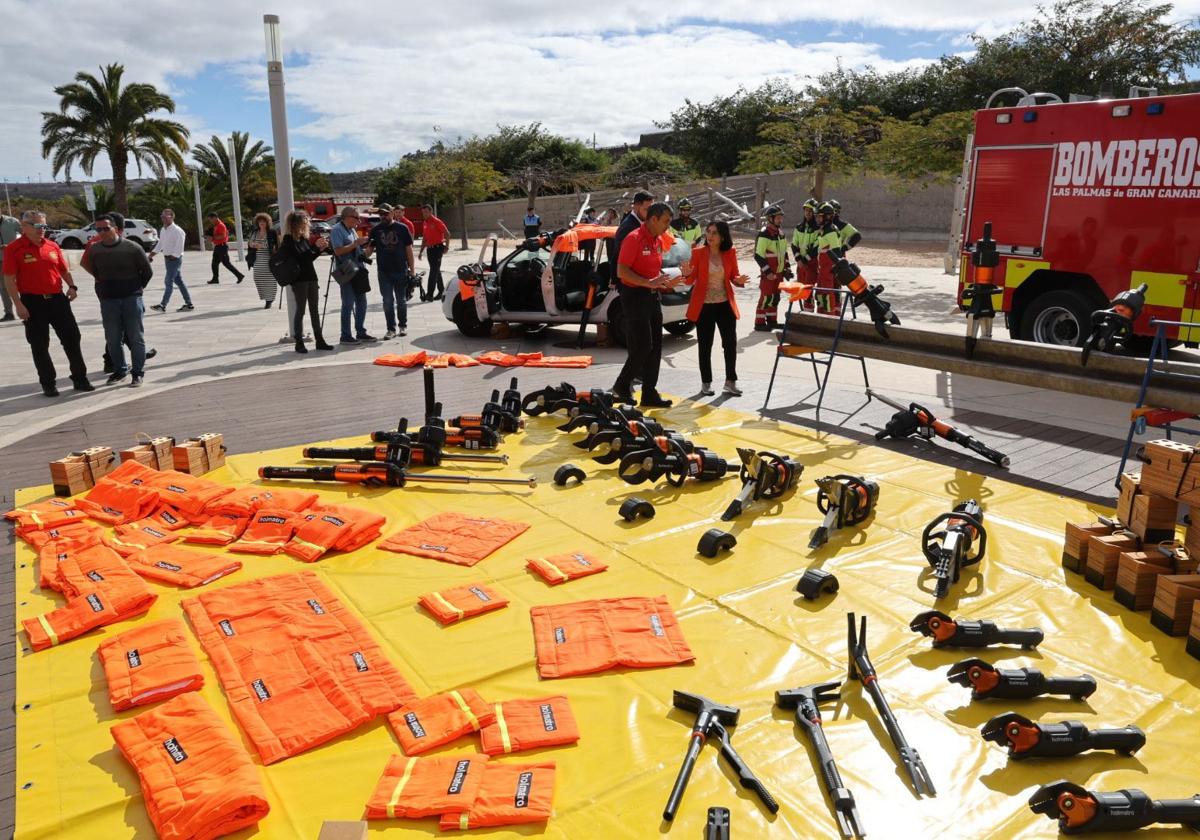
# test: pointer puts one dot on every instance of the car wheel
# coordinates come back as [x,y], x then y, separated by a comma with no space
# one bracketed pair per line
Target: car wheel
[616,324]
[71,243]
[679,328]
[1062,317]
[467,319]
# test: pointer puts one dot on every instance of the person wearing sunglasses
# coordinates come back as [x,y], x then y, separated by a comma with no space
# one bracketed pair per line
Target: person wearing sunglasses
[122,270]
[38,279]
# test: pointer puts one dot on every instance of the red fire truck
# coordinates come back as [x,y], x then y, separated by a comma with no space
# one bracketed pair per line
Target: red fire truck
[1086,199]
[328,208]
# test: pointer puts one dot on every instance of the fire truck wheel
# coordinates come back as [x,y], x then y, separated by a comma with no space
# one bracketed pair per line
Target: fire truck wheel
[467,320]
[1061,317]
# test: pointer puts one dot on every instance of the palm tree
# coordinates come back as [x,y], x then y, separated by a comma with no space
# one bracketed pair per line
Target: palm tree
[306,178]
[98,116]
[213,158]
[177,193]
[77,210]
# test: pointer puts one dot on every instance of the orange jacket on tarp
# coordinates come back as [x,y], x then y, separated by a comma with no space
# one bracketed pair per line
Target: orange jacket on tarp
[457,360]
[454,537]
[297,667]
[590,636]
[79,531]
[36,515]
[189,494]
[269,530]
[451,605]
[499,358]
[149,663]
[218,529]
[197,780]
[132,537]
[333,528]
[55,549]
[115,503]
[529,725]
[167,518]
[426,787]
[132,472]
[407,360]
[422,725]
[81,614]
[511,794]
[244,501]
[181,566]
[560,568]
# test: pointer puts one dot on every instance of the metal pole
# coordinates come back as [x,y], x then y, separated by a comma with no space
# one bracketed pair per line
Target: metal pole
[199,213]
[279,130]
[7,200]
[237,205]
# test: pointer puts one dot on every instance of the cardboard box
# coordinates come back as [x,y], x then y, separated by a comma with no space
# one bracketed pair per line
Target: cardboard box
[1102,558]
[1154,518]
[1173,600]
[1137,574]
[1075,543]
[1172,469]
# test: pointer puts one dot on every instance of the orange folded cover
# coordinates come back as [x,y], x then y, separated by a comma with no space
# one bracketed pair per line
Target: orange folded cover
[133,537]
[149,663]
[189,494]
[454,537]
[560,568]
[529,725]
[197,781]
[181,566]
[115,503]
[511,794]
[81,614]
[407,360]
[218,529]
[422,725]
[244,501]
[451,605]
[81,529]
[333,528]
[425,787]
[269,530]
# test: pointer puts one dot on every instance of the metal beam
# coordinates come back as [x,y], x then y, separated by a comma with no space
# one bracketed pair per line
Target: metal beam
[1018,362]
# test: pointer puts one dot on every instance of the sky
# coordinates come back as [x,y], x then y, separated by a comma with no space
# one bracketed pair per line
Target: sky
[367,83]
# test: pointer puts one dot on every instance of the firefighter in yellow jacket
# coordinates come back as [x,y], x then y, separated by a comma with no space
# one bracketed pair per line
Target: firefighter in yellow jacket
[684,226]
[771,254]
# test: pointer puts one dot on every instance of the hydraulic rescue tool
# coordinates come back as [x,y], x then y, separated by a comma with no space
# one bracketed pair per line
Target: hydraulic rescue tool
[711,720]
[1082,811]
[381,474]
[847,274]
[590,406]
[671,459]
[564,396]
[964,633]
[949,549]
[435,433]
[862,670]
[981,312]
[764,475]
[404,455]
[1026,739]
[633,436]
[846,500]
[717,827]
[915,419]
[615,419]
[1114,325]
[987,682]
[806,701]
[493,416]
[497,417]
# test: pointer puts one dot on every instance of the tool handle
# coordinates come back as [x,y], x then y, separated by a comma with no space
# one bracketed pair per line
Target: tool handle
[1127,739]
[977,446]
[745,776]
[353,453]
[1077,687]
[309,473]
[685,773]
[1186,811]
[1028,638]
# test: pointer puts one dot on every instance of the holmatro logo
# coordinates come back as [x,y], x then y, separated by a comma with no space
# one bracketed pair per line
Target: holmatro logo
[548,722]
[174,750]
[524,783]
[460,776]
[479,593]
[414,725]
[260,689]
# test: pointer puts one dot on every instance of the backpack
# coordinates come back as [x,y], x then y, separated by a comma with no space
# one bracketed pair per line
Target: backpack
[283,265]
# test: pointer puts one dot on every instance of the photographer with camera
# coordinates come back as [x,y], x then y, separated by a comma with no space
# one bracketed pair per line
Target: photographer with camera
[350,271]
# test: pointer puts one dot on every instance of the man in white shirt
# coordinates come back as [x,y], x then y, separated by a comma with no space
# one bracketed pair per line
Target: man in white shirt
[170,242]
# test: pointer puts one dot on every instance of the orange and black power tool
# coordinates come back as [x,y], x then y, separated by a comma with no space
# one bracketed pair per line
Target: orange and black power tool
[847,274]
[1114,325]
[380,474]
[403,455]
[846,501]
[1082,811]
[916,419]
[676,459]
[961,542]
[981,312]
[764,475]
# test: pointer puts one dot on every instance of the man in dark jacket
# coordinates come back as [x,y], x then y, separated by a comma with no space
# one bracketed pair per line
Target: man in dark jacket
[122,271]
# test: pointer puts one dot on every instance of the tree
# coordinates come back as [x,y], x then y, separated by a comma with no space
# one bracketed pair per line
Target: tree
[178,194]
[644,166]
[98,116]
[711,136]
[256,182]
[76,208]
[456,176]
[923,146]
[306,178]
[395,185]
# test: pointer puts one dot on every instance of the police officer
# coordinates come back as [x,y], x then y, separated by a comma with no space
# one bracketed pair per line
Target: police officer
[804,243]
[684,226]
[771,254]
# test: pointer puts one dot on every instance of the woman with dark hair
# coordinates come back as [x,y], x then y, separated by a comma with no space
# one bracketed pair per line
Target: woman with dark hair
[714,273]
[263,242]
[295,246]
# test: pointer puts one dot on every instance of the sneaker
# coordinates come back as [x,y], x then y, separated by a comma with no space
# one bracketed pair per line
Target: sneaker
[187,307]
[403,331]
[83,385]
[50,390]
[389,335]
[158,307]
[151,353]
[731,388]
[367,337]
[213,282]
[115,378]
[653,400]
[287,339]
[706,389]
[136,382]
[348,341]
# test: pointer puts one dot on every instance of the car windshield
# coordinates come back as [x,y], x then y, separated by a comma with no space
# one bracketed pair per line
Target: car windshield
[681,250]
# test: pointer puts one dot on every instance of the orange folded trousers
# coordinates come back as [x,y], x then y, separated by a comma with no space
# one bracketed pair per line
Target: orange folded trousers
[81,614]
[181,566]
[218,529]
[333,528]
[406,360]
[510,794]
[244,501]
[197,780]
[425,724]
[590,636]
[133,537]
[39,516]
[426,787]
[115,504]
[560,568]
[53,551]
[529,725]
[451,605]
[268,531]
[454,537]
[78,530]
[149,663]
[189,494]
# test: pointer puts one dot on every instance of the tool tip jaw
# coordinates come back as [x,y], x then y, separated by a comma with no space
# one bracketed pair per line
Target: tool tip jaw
[959,671]
[920,624]
[1045,799]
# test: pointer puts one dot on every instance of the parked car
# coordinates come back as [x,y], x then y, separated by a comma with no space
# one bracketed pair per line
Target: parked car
[136,230]
[546,281]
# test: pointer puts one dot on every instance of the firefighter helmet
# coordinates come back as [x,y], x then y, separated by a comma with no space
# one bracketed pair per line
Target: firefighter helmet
[683,204]
[826,209]
[773,210]
[812,204]
[835,204]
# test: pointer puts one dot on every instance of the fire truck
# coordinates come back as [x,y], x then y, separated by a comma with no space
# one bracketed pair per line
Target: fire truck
[327,208]
[1087,198]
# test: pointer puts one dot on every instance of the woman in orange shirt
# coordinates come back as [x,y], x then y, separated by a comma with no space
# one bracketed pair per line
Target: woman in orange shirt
[714,273]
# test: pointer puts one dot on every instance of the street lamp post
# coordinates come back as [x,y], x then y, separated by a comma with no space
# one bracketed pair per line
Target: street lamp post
[199,212]
[237,203]
[279,130]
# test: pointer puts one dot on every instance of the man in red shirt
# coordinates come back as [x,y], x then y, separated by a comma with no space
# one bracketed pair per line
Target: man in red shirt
[34,274]
[436,239]
[220,243]
[640,276]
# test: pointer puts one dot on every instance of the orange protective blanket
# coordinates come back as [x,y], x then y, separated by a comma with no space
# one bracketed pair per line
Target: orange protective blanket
[457,360]
[590,636]
[270,529]
[560,568]
[244,501]
[511,794]
[115,503]
[451,605]
[425,787]
[149,663]
[454,537]
[197,781]
[333,528]
[132,537]
[181,566]
[433,721]
[529,725]
[189,494]
[407,360]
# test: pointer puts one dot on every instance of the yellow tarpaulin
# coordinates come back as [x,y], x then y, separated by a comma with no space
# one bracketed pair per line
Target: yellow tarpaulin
[751,632]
